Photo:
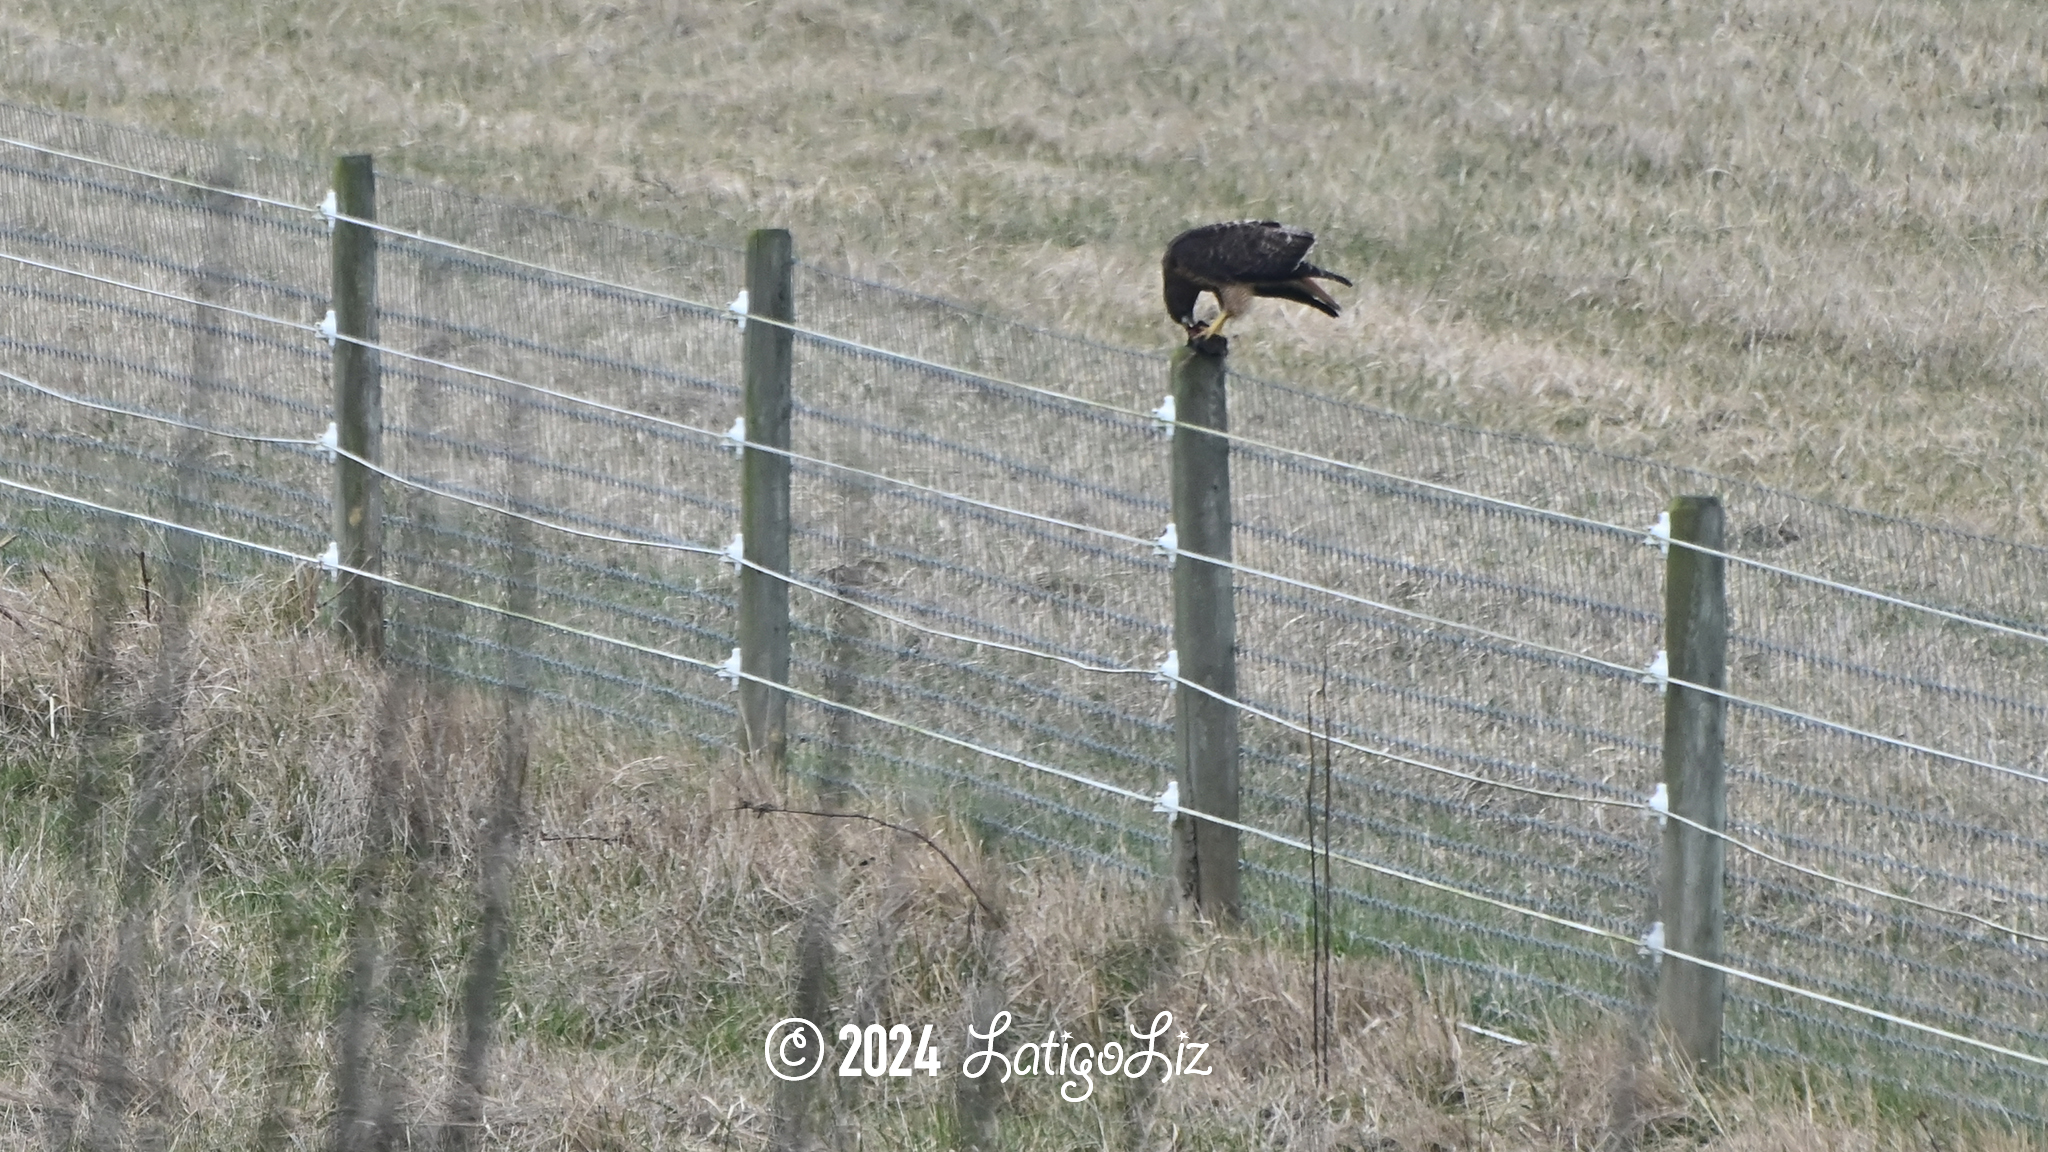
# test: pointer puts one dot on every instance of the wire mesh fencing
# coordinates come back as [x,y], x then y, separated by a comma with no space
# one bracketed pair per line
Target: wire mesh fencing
[975,504]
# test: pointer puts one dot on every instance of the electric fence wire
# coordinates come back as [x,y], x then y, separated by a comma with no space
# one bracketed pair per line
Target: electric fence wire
[666,623]
[1128,539]
[1443,960]
[635,685]
[1566,654]
[332,215]
[1038,472]
[478,574]
[1248,708]
[1856,1073]
[1899,1000]
[1299,728]
[1073,777]
[1868,1035]
[160,418]
[1651,535]
[1997,891]
[181,181]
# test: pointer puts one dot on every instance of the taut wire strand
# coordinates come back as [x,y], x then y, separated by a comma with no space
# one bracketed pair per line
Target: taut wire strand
[179,180]
[173,421]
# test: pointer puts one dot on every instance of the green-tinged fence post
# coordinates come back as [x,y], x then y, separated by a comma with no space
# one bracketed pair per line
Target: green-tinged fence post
[358,408]
[1204,633]
[1689,997]
[764,497]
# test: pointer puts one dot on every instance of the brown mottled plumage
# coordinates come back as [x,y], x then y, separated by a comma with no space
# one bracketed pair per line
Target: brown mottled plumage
[1237,261]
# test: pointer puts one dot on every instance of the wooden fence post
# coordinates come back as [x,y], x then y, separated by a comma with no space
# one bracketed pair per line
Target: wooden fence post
[1204,633]
[764,497]
[1689,997]
[358,408]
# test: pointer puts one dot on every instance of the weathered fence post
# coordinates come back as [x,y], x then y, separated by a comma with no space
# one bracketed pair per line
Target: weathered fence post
[764,497]
[1204,633]
[358,408]
[1689,997]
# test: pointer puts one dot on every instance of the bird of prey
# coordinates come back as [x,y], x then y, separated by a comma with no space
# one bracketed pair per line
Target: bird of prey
[1237,261]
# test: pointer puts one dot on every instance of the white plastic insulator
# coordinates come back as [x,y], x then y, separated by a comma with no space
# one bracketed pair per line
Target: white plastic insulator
[1660,534]
[738,308]
[1660,803]
[1169,800]
[1168,671]
[736,436]
[1653,941]
[330,560]
[330,328]
[730,670]
[331,208]
[1659,672]
[735,552]
[1168,543]
[330,441]
[1164,414]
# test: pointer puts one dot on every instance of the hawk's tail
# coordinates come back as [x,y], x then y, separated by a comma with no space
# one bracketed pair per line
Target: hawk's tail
[1325,274]
[1302,291]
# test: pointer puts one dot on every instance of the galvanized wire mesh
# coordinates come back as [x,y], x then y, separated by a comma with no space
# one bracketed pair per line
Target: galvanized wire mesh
[1947,833]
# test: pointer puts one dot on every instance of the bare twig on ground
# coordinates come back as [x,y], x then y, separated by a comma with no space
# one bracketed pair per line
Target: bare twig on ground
[766,808]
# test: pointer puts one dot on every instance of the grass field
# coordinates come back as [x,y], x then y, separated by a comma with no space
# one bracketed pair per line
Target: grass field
[1785,242]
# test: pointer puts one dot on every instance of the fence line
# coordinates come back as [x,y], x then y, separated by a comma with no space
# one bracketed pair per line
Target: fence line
[729,556]
[1651,535]
[310,329]
[1652,946]
[1648,808]
[1127,538]
[707,433]
[1138,541]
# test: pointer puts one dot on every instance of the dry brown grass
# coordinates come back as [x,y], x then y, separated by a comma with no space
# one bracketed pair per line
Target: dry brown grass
[1795,242]
[658,934]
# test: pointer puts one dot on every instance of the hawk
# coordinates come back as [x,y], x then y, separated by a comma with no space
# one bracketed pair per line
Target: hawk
[1236,261]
